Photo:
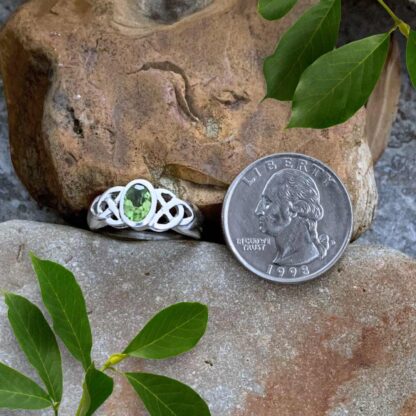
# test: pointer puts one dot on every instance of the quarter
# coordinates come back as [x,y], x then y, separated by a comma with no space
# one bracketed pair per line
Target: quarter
[287,217]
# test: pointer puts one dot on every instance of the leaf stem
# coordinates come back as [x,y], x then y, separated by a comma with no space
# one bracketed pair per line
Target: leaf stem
[55,406]
[403,27]
[389,11]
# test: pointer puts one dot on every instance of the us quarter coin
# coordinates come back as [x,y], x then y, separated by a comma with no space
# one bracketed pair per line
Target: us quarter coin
[287,217]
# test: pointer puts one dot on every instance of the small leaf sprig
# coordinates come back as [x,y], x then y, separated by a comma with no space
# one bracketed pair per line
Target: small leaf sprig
[327,85]
[173,331]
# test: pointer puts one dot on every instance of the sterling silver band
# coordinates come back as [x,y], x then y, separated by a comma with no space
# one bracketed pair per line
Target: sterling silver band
[160,211]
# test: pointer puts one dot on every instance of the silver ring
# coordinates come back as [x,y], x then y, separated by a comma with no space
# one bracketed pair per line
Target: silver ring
[141,207]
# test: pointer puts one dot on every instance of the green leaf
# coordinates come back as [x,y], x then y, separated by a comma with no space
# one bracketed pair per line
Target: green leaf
[172,331]
[274,9]
[20,392]
[65,302]
[97,388]
[37,341]
[314,34]
[164,396]
[336,85]
[411,56]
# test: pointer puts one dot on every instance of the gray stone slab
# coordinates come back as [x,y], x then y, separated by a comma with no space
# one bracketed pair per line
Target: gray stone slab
[341,345]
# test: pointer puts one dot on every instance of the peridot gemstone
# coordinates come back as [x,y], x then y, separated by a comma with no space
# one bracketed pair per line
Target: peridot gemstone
[137,203]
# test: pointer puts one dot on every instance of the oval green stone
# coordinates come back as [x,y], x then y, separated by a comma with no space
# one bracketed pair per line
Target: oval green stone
[137,203]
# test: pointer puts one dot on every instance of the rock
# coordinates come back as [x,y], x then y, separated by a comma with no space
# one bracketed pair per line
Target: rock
[343,344]
[395,224]
[111,92]
[15,201]
[383,103]
[359,19]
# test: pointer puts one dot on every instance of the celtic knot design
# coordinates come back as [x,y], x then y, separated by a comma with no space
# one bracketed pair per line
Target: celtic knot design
[105,208]
[170,212]
[168,203]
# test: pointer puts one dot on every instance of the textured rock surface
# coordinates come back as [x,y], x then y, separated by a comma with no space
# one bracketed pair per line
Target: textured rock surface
[383,103]
[395,220]
[360,17]
[180,108]
[15,201]
[342,345]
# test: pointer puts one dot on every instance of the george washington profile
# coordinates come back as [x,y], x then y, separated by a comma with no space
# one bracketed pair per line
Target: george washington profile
[289,210]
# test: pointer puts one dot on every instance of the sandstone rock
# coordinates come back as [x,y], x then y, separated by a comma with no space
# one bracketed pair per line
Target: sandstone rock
[341,345]
[383,103]
[103,92]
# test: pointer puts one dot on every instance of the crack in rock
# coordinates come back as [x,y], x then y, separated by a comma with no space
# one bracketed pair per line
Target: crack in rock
[185,102]
[171,11]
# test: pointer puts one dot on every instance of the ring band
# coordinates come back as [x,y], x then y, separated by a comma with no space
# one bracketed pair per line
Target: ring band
[139,206]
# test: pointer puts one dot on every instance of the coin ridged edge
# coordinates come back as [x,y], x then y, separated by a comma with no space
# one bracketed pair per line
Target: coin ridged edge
[224,222]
